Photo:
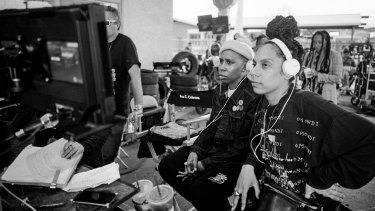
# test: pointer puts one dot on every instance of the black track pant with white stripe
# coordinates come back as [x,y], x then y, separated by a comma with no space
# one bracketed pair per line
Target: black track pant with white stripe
[209,190]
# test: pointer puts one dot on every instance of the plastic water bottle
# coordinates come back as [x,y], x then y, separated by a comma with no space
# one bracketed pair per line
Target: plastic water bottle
[129,129]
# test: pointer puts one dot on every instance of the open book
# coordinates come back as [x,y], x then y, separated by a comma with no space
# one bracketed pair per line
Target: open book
[42,166]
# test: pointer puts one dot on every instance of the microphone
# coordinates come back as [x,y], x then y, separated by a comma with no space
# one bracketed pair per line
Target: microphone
[8,47]
[48,120]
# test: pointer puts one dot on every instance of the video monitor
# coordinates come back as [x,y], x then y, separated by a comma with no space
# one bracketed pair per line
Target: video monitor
[56,60]
[205,23]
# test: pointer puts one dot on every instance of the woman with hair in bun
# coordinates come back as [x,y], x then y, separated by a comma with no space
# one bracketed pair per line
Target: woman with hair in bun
[260,40]
[206,172]
[323,67]
[304,142]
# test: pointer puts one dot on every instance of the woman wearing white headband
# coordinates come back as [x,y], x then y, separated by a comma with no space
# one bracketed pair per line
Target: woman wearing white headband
[304,142]
[206,173]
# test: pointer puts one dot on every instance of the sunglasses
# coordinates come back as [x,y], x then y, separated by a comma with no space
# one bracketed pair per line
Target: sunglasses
[109,22]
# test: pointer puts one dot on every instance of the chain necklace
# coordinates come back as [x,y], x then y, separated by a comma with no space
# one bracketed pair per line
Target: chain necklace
[270,117]
[266,129]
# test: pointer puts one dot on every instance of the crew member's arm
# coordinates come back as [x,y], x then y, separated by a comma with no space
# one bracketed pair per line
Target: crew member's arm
[136,83]
[88,145]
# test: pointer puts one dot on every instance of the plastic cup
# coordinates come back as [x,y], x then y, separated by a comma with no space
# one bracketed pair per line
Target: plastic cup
[139,200]
[162,201]
[307,72]
[140,203]
[144,185]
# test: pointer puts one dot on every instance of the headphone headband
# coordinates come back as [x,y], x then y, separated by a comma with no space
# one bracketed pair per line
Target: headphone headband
[283,48]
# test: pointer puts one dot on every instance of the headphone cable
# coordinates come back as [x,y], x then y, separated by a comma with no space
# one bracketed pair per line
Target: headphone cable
[264,127]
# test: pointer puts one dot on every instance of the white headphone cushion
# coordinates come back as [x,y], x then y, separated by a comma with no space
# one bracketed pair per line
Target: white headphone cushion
[249,65]
[291,67]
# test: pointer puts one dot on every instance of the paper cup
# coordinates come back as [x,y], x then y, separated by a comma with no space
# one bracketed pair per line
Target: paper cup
[163,201]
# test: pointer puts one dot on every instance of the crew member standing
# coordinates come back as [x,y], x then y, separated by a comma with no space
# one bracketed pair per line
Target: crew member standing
[125,72]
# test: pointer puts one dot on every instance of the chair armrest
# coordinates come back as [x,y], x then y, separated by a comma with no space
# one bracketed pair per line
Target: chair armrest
[195,120]
[187,123]
[141,133]
[149,112]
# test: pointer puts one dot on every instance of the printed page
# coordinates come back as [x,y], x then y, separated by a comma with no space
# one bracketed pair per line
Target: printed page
[93,178]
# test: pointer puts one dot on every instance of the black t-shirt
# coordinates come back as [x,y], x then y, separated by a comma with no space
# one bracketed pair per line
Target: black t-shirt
[313,141]
[123,56]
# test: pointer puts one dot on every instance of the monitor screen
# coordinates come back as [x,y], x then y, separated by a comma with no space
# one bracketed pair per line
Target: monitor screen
[57,59]
[64,60]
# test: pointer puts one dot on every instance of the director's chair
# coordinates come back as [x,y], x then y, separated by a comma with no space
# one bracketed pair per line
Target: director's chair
[172,134]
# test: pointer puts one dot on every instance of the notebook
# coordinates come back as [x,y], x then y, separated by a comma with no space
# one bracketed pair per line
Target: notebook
[42,166]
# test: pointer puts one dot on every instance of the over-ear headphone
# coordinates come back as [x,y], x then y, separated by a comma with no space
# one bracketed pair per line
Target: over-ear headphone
[249,65]
[290,66]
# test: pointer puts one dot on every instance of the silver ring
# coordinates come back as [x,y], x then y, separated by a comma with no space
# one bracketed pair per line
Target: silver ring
[236,193]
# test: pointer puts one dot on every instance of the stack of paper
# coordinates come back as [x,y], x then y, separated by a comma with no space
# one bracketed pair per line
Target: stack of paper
[93,178]
[44,162]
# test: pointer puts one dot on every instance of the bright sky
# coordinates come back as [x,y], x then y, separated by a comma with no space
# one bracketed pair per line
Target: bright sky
[191,9]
